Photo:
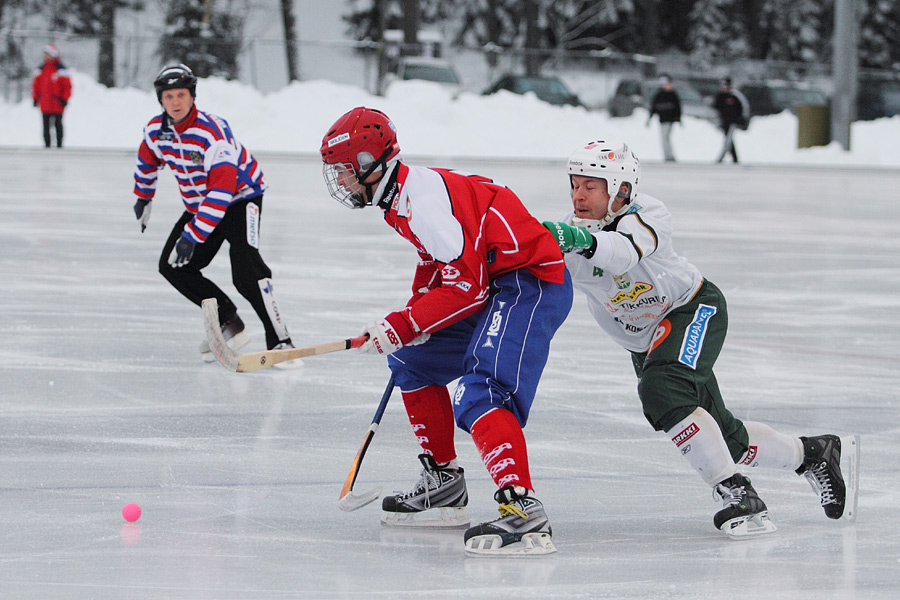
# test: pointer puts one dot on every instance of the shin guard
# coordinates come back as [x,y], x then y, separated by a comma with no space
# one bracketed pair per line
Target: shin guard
[501,443]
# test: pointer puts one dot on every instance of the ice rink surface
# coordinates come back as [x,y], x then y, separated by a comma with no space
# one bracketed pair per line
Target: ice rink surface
[104,400]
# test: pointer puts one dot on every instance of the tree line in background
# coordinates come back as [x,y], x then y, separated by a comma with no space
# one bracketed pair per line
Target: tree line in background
[707,30]
[209,33]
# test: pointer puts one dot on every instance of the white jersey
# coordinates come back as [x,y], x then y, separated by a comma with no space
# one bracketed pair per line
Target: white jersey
[634,278]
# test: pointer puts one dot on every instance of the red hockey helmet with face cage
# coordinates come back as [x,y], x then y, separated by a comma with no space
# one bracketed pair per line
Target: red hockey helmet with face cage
[358,144]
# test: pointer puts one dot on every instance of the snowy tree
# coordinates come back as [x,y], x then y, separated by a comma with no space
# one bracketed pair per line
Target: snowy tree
[368,19]
[204,34]
[879,35]
[95,18]
[795,30]
[717,31]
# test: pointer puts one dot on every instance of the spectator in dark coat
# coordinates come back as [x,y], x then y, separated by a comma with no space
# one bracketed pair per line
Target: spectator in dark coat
[667,106]
[733,114]
[51,89]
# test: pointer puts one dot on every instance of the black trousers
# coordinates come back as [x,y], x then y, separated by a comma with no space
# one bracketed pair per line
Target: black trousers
[54,120]
[247,265]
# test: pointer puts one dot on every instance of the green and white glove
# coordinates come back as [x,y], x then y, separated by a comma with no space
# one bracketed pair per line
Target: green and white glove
[570,238]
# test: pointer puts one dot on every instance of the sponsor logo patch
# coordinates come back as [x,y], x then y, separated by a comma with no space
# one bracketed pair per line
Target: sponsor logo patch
[639,288]
[752,451]
[196,157]
[686,434]
[694,335]
[660,335]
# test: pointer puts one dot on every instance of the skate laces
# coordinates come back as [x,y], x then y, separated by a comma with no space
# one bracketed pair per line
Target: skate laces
[426,479]
[729,496]
[511,509]
[820,482]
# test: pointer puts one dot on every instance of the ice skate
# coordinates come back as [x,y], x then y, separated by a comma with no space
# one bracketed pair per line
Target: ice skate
[822,468]
[439,499]
[521,530]
[234,334]
[745,514]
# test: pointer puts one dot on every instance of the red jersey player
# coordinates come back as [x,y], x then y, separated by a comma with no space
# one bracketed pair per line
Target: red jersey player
[489,293]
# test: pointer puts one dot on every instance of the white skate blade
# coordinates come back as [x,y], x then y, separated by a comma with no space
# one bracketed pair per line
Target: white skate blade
[237,342]
[433,517]
[531,544]
[352,501]
[850,471]
[749,526]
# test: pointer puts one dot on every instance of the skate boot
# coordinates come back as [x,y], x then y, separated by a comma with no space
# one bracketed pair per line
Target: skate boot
[822,467]
[234,334]
[745,514]
[439,499]
[521,530]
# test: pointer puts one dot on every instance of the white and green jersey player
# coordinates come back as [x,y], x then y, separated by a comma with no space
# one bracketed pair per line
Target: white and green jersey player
[658,306]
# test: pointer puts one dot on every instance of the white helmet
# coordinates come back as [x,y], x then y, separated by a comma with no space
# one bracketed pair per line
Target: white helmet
[613,162]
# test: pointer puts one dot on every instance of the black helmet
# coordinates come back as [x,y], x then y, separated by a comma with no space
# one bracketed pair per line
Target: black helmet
[175,77]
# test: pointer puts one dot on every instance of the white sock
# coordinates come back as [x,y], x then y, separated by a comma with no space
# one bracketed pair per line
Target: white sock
[700,441]
[769,448]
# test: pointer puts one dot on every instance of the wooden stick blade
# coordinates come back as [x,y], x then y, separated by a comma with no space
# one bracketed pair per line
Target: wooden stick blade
[226,356]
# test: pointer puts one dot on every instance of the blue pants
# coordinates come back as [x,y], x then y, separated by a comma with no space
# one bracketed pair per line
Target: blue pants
[498,353]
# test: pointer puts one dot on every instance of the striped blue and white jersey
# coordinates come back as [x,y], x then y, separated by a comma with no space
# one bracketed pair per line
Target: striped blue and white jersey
[211,167]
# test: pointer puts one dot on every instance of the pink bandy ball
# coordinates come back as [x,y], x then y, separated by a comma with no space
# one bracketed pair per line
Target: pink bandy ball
[131,512]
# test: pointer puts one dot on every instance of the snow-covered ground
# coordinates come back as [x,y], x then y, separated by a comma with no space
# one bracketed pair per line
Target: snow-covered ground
[295,118]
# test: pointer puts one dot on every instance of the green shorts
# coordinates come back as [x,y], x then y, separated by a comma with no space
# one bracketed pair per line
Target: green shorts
[676,375]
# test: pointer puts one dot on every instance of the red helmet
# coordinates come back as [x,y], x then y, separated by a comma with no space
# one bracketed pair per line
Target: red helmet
[360,142]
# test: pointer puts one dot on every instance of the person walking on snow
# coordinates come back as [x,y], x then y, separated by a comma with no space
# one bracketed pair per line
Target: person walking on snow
[734,113]
[659,307]
[51,89]
[488,294]
[222,187]
[667,106]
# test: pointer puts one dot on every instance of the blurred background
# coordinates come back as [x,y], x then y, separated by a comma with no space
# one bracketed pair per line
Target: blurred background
[604,55]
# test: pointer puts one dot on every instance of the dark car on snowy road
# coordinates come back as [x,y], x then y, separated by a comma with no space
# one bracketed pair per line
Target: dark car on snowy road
[549,89]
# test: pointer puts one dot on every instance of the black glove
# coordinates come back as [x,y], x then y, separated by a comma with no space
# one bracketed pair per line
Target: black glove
[182,252]
[142,212]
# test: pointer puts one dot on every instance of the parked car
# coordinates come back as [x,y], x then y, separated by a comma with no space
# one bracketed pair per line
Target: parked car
[421,68]
[549,89]
[633,93]
[773,97]
[708,87]
[877,98]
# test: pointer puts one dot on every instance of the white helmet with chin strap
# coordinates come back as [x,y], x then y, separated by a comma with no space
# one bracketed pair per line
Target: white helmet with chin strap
[614,162]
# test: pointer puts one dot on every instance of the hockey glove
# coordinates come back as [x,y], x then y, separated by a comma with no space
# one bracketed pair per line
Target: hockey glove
[182,252]
[570,238]
[142,212]
[383,338]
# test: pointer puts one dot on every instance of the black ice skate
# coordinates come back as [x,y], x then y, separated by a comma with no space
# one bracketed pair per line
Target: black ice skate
[822,468]
[439,499]
[521,530]
[745,514]
[234,334]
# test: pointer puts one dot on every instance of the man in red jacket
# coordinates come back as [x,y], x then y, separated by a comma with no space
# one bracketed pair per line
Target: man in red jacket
[50,90]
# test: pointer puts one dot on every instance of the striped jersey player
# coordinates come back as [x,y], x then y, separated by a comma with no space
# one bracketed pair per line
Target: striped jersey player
[489,292]
[221,186]
[658,306]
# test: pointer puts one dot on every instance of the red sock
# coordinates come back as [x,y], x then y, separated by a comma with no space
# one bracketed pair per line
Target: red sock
[499,438]
[431,416]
